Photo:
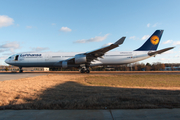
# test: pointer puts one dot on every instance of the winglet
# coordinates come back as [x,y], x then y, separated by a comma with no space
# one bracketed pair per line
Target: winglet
[120,41]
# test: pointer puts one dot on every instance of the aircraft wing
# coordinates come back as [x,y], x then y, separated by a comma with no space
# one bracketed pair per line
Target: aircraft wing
[100,52]
[90,56]
[93,55]
[159,51]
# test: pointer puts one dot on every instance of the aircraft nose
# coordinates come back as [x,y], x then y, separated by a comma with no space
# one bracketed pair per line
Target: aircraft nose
[7,61]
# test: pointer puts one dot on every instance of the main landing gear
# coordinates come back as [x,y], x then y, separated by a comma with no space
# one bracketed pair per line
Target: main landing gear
[84,69]
[20,70]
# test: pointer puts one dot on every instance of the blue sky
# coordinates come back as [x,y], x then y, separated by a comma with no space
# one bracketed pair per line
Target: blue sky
[85,25]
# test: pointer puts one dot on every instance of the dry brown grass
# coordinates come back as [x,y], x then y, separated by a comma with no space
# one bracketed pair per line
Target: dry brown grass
[84,91]
[147,81]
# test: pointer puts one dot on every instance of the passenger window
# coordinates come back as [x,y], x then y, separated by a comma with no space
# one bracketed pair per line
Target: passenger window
[16,57]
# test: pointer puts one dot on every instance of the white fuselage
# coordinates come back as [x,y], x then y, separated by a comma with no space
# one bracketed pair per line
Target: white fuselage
[54,59]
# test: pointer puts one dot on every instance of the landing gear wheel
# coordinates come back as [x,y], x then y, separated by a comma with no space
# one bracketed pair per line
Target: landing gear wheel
[20,70]
[87,71]
[82,70]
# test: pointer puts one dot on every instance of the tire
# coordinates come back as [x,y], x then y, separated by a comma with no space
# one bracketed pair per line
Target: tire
[20,71]
[87,71]
[82,70]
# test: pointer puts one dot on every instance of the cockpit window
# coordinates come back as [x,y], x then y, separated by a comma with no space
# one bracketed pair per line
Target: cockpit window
[9,58]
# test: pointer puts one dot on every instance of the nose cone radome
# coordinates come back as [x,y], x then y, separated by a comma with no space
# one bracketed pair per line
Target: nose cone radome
[7,61]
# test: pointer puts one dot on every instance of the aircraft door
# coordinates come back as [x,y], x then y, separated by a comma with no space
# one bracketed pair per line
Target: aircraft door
[16,58]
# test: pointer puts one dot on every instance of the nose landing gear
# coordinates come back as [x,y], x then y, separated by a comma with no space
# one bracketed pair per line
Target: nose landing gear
[20,70]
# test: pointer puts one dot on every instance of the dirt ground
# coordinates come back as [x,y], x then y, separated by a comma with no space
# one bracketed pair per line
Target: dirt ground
[87,91]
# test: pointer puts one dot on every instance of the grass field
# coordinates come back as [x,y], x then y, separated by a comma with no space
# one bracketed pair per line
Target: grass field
[85,91]
[135,80]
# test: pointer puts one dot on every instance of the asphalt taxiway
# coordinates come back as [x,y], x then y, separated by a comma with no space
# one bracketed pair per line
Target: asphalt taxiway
[13,76]
[138,114]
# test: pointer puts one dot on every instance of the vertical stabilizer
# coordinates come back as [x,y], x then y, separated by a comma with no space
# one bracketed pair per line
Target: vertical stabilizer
[153,41]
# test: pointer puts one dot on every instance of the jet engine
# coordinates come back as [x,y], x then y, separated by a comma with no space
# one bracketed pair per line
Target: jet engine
[80,59]
[64,64]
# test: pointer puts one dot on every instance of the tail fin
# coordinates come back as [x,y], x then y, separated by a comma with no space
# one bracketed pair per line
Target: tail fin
[153,41]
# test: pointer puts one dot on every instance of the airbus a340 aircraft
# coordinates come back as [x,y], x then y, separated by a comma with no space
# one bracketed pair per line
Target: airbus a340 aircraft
[92,58]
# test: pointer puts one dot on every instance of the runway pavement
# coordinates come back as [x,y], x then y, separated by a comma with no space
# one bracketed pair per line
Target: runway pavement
[138,114]
[13,76]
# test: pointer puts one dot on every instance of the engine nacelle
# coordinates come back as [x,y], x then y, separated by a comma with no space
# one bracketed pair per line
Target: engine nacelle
[64,64]
[80,59]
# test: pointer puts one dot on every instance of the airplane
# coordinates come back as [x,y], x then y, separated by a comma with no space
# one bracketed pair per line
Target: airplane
[85,60]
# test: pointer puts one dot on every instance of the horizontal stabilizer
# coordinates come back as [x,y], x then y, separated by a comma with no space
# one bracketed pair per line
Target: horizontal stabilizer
[159,51]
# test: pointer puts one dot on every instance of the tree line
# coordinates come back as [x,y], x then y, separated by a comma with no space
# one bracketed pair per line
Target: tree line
[127,67]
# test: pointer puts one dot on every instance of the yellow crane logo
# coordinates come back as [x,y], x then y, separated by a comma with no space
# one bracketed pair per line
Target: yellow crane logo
[154,40]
